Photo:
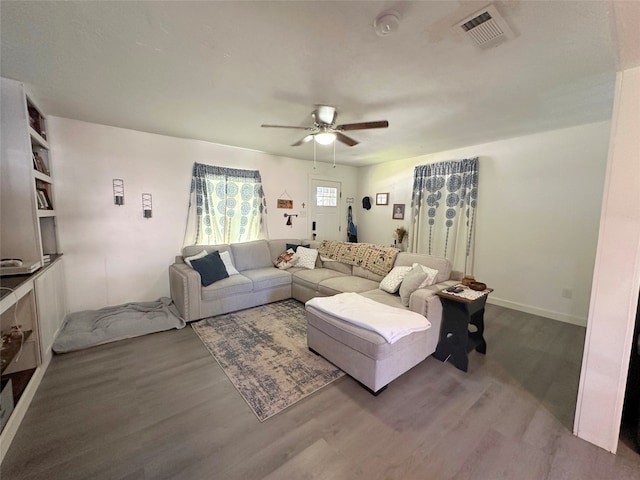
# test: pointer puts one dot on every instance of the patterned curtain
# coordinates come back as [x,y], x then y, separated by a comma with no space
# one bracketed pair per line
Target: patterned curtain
[443,211]
[225,205]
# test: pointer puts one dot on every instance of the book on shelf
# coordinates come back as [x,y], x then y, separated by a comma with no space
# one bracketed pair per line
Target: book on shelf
[39,164]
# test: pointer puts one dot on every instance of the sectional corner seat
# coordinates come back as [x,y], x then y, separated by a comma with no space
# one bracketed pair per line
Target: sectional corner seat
[363,354]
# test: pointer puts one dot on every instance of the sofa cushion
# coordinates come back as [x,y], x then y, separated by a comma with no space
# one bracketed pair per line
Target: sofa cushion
[211,268]
[269,277]
[364,273]
[337,266]
[312,278]
[437,263]
[391,299]
[250,255]
[335,285]
[307,257]
[191,250]
[431,275]
[235,284]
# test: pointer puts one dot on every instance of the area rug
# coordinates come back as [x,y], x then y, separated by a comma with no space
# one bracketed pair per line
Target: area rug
[263,351]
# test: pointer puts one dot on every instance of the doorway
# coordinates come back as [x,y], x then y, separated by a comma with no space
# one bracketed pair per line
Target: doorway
[325,209]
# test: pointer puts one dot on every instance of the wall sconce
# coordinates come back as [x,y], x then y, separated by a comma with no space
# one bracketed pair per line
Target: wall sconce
[118,191]
[146,205]
[288,217]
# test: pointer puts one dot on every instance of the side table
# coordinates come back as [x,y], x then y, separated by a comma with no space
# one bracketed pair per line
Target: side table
[456,341]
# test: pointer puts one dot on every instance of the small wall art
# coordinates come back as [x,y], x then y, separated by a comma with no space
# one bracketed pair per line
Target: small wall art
[398,211]
[285,203]
[382,199]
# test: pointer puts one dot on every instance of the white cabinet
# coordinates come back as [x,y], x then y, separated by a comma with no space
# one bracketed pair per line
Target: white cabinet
[50,304]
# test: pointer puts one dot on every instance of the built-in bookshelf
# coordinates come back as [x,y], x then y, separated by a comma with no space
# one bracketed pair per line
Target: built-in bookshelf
[32,305]
[29,230]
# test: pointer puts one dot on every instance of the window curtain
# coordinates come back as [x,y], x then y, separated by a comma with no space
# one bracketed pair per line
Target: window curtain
[226,205]
[443,211]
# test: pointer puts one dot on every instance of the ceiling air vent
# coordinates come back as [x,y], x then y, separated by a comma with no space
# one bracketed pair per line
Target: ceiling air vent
[486,28]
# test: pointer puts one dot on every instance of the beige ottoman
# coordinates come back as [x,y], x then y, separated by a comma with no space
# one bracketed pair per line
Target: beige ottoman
[363,354]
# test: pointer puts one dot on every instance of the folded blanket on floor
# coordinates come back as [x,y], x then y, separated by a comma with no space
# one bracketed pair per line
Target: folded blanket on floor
[390,322]
[95,327]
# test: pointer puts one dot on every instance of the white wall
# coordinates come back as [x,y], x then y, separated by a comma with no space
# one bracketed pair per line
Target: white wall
[538,214]
[616,277]
[112,254]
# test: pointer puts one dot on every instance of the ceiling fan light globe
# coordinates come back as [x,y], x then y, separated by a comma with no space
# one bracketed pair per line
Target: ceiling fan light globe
[325,138]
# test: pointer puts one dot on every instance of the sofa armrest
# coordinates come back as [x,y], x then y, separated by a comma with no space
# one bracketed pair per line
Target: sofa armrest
[425,301]
[185,286]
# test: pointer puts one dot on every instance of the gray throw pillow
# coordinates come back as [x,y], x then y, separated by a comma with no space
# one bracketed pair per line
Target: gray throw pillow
[411,282]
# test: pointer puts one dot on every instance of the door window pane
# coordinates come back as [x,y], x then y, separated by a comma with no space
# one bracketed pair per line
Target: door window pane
[326,196]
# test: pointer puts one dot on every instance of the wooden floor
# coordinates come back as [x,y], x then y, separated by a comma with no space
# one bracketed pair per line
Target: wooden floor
[160,407]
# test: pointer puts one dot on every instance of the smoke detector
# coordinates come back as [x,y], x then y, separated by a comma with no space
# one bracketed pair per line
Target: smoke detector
[387,23]
[486,28]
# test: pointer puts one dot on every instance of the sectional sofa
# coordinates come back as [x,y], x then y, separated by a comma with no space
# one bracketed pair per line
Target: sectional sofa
[366,356]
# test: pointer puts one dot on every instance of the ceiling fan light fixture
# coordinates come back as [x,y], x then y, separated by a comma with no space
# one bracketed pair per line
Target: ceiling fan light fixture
[325,138]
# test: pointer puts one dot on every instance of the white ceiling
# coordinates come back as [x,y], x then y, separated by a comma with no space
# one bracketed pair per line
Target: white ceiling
[216,71]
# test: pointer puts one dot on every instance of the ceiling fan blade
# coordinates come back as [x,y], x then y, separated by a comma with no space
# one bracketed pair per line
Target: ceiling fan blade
[306,139]
[284,126]
[346,140]
[363,125]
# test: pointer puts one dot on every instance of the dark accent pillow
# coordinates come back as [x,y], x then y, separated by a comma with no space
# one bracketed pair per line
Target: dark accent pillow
[211,268]
[295,247]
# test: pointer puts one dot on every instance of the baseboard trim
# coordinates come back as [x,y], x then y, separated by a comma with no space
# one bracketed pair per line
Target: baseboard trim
[562,317]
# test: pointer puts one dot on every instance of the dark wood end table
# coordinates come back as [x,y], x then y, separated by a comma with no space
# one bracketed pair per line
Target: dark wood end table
[456,341]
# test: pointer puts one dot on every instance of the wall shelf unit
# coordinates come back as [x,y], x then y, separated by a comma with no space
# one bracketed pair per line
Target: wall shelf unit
[35,302]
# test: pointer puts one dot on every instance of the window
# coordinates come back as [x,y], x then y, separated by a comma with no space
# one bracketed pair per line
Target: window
[226,205]
[326,197]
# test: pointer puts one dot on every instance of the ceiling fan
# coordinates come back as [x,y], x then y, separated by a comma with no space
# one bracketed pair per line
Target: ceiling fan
[325,131]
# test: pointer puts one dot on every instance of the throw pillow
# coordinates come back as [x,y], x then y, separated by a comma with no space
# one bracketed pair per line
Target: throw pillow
[286,259]
[391,283]
[307,258]
[431,275]
[411,282]
[188,260]
[295,247]
[211,268]
[228,264]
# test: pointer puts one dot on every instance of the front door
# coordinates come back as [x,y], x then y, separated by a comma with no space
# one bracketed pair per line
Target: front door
[325,210]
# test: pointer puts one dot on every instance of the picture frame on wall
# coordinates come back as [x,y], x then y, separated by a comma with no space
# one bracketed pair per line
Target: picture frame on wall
[285,203]
[382,199]
[398,211]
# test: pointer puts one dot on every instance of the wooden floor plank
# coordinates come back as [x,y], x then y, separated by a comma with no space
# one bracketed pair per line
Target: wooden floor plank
[160,407]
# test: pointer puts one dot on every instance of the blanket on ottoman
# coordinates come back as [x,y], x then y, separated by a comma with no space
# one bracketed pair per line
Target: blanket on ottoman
[391,322]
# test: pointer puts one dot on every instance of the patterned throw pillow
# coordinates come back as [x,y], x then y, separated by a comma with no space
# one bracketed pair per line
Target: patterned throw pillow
[308,257]
[286,259]
[391,283]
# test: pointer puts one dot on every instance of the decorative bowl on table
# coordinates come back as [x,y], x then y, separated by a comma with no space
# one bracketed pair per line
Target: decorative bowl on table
[478,286]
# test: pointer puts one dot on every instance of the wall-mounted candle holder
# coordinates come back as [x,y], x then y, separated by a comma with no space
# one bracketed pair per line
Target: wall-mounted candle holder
[118,191]
[146,205]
